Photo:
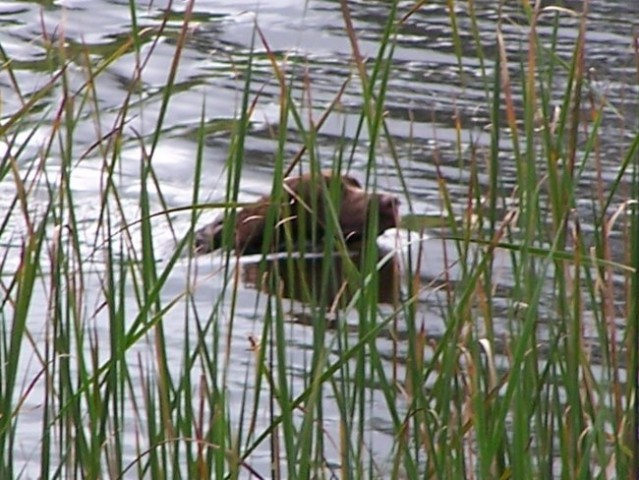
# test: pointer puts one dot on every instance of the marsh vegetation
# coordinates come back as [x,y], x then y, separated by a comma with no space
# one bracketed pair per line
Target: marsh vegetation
[492,335]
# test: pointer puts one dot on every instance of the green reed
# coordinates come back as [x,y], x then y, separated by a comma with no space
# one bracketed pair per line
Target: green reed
[519,392]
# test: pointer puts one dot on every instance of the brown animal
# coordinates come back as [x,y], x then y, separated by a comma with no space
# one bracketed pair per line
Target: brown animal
[301,216]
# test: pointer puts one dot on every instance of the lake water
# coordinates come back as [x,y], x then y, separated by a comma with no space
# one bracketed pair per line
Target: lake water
[426,95]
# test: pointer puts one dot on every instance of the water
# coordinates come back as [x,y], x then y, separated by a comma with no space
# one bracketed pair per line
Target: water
[425,94]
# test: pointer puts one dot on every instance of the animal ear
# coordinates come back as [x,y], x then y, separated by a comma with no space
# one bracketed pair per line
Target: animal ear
[351,181]
[388,202]
[290,183]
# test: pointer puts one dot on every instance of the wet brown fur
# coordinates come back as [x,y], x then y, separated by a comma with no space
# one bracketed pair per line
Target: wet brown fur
[302,217]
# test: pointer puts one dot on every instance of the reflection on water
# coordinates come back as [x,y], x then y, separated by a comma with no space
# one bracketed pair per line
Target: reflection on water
[320,280]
